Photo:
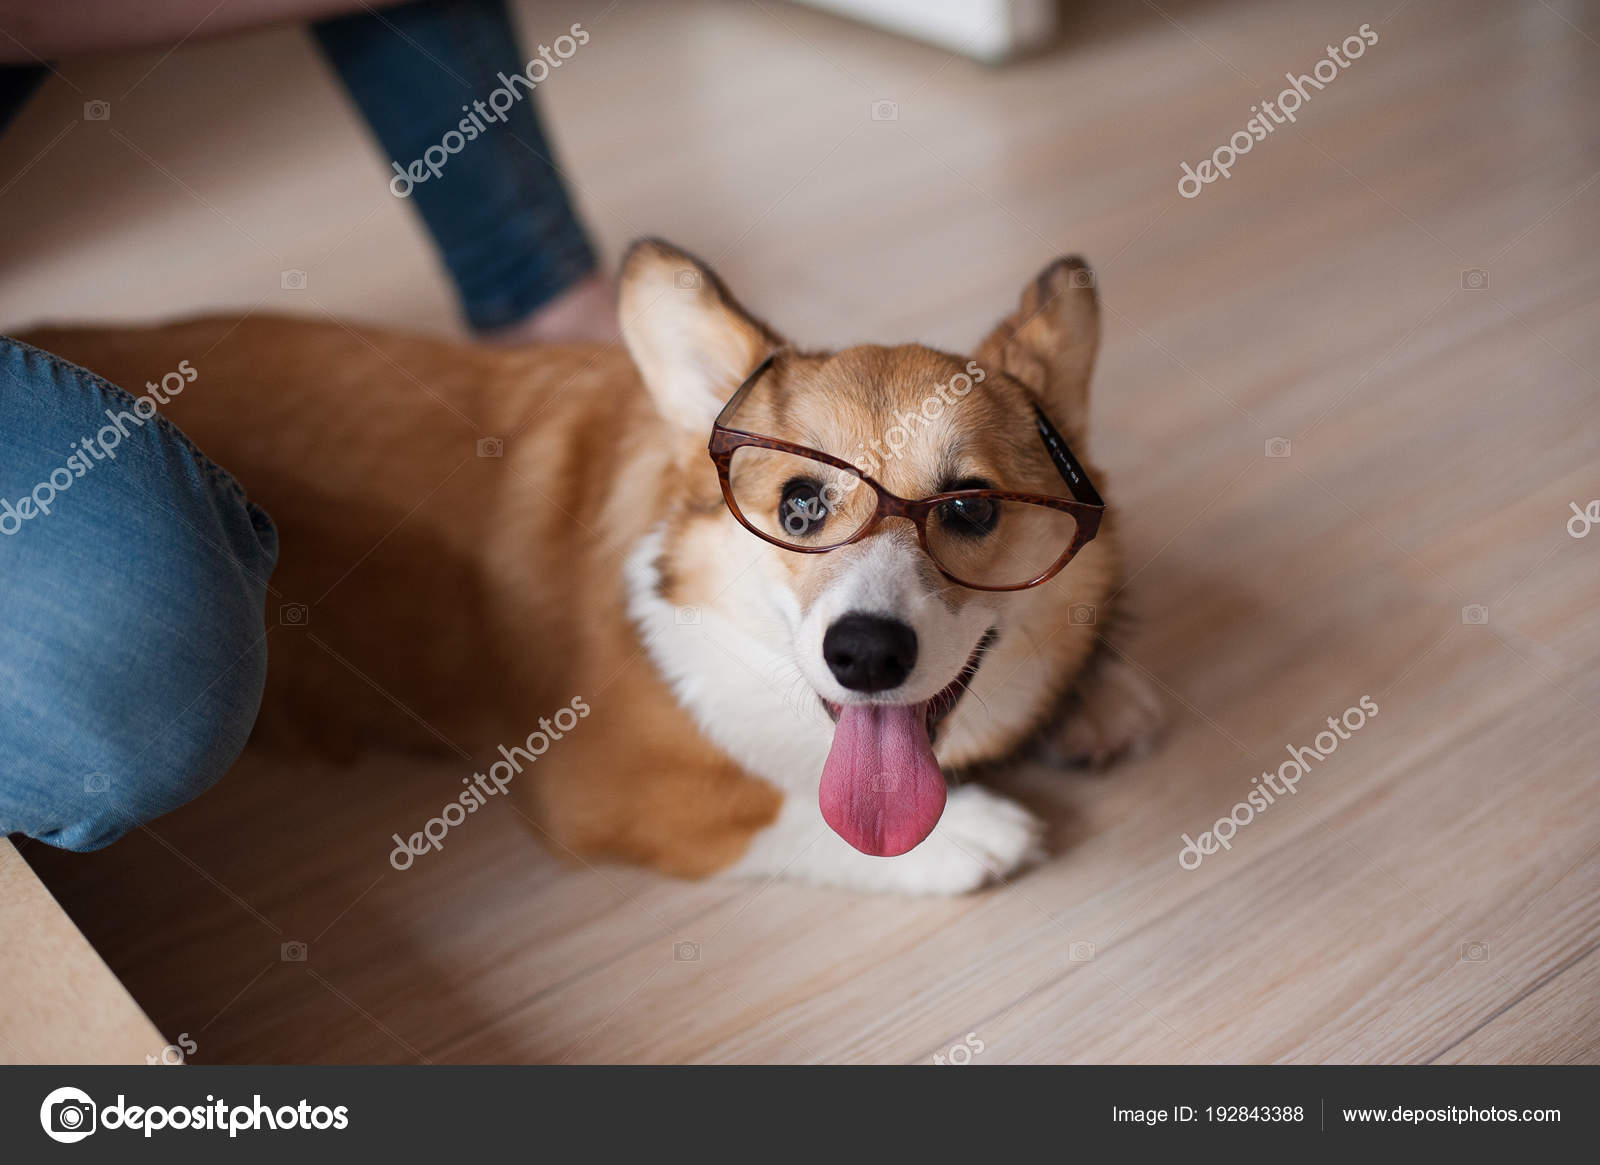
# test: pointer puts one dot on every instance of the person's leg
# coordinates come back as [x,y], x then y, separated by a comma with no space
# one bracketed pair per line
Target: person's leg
[448,94]
[133,576]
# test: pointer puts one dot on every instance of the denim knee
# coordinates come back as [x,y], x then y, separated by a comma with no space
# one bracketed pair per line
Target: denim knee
[133,574]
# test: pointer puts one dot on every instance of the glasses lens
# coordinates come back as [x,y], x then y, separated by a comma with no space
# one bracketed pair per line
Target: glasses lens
[798,501]
[991,543]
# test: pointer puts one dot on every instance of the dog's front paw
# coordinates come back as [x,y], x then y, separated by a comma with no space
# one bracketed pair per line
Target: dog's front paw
[1115,712]
[981,838]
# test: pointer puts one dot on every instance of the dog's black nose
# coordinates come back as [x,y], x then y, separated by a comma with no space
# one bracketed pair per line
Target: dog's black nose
[868,653]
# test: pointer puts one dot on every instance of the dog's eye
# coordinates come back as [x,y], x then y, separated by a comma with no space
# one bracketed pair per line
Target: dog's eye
[801,510]
[969,517]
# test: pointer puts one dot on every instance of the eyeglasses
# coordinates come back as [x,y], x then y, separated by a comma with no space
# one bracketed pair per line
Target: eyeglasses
[986,539]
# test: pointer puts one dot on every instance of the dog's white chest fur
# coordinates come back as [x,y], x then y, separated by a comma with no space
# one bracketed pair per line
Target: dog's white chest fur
[751,700]
[743,690]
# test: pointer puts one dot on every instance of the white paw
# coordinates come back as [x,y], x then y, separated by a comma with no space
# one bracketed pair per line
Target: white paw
[981,838]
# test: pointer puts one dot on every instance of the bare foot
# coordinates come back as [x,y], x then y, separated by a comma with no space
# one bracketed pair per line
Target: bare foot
[585,311]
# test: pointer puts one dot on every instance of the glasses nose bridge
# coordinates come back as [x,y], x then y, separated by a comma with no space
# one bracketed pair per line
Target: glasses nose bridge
[892,505]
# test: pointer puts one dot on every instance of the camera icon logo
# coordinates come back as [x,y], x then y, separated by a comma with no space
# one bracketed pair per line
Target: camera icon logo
[884,782]
[1475,614]
[1081,951]
[294,614]
[687,616]
[687,279]
[294,952]
[1474,279]
[97,783]
[1475,952]
[293,279]
[97,111]
[885,111]
[67,1115]
[491,447]
[1082,614]
[1277,446]
[685,952]
[1080,277]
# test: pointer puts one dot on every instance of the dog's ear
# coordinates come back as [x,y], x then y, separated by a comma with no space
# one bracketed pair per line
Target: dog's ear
[691,340]
[1049,342]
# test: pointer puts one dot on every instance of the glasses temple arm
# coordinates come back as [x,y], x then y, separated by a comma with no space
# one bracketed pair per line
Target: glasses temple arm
[1073,473]
[743,390]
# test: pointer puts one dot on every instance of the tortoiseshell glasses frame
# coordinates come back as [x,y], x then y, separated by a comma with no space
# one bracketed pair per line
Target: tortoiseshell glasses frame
[1085,505]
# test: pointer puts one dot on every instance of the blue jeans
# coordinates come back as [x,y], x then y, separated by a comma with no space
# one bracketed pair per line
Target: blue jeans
[133,577]
[497,208]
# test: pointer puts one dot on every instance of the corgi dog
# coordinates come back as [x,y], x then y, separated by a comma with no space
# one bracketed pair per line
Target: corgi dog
[774,599]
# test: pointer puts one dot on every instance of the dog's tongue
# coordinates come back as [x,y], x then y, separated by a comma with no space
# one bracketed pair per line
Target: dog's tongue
[882,791]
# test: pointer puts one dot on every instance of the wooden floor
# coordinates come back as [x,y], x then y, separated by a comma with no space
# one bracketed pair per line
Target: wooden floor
[1431,893]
